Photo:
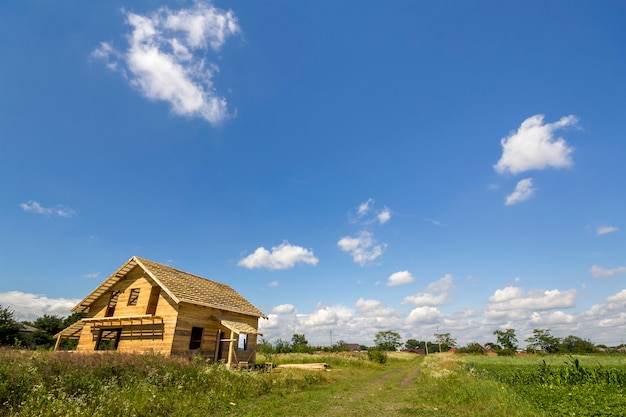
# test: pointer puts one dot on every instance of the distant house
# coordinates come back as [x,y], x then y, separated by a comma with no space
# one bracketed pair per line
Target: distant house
[352,347]
[152,308]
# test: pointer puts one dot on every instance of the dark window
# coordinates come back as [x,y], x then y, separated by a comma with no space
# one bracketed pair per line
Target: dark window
[133,297]
[196,338]
[112,303]
[154,300]
[108,339]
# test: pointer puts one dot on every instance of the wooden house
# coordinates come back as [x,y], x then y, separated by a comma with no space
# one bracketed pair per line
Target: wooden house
[147,307]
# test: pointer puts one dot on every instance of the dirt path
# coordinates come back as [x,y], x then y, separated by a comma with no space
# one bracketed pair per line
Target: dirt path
[386,392]
[383,395]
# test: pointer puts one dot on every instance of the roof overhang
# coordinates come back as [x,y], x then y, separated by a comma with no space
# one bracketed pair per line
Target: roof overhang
[237,326]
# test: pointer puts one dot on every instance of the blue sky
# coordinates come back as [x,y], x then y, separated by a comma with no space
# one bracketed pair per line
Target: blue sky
[348,167]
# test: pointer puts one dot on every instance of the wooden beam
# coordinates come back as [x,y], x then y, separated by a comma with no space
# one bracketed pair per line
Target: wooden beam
[231,348]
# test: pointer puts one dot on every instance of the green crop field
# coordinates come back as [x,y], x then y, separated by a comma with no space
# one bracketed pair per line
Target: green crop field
[43,383]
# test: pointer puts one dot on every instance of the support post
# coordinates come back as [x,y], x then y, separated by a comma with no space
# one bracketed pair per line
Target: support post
[230,348]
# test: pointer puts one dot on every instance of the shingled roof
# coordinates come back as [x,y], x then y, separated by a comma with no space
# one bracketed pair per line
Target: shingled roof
[181,286]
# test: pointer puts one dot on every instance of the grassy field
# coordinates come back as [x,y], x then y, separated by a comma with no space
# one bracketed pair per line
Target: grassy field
[113,384]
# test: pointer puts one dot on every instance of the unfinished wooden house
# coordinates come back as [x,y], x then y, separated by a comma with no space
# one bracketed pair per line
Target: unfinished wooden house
[152,308]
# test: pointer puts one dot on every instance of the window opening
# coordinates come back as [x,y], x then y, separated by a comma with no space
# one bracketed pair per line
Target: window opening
[154,300]
[196,338]
[108,339]
[243,341]
[133,297]
[112,303]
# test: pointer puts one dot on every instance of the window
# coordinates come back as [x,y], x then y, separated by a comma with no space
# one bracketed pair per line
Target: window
[196,338]
[108,339]
[112,303]
[243,341]
[133,297]
[154,300]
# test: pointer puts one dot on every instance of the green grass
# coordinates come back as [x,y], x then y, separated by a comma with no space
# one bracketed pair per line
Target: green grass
[560,385]
[113,384]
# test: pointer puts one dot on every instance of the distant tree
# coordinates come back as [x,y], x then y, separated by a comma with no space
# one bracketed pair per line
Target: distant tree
[387,341]
[574,344]
[9,327]
[473,348]
[49,324]
[444,341]
[340,346]
[264,347]
[72,318]
[282,346]
[543,340]
[411,344]
[300,344]
[507,341]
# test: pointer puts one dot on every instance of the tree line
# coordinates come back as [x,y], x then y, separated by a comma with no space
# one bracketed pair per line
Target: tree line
[38,334]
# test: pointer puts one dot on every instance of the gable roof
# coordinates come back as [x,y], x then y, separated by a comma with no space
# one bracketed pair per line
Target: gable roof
[181,286]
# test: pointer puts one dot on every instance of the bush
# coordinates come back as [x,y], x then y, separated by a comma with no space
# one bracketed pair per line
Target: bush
[377,355]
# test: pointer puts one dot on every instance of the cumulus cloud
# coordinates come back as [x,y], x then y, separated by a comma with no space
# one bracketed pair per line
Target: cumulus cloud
[400,278]
[603,230]
[31,306]
[425,314]
[373,308]
[92,275]
[523,191]
[361,247]
[534,146]
[59,211]
[514,298]
[617,300]
[599,272]
[284,256]
[284,309]
[167,57]
[436,293]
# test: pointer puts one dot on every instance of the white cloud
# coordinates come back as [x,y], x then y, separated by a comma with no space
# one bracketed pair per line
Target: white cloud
[373,308]
[400,278]
[606,229]
[59,211]
[31,306]
[92,275]
[534,146]
[284,256]
[325,316]
[514,298]
[273,284]
[384,216]
[436,293]
[618,299]
[523,191]
[362,247]
[364,208]
[366,214]
[551,319]
[284,309]
[166,58]
[599,272]
[425,314]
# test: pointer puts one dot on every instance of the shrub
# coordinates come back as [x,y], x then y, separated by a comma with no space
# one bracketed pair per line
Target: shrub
[377,355]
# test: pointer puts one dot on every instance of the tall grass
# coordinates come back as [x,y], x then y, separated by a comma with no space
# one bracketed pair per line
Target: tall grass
[113,384]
